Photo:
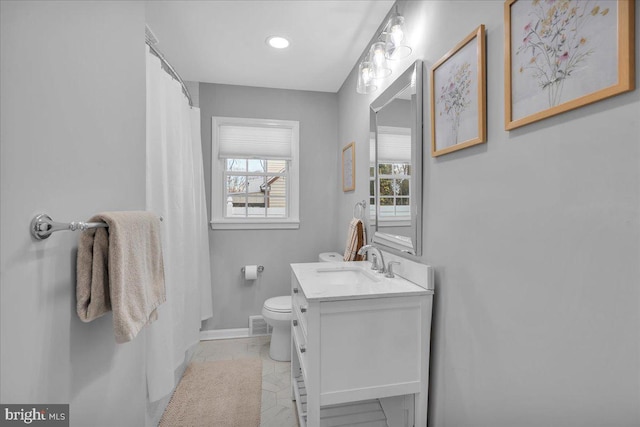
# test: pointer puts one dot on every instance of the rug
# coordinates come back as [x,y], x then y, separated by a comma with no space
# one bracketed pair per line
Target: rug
[224,393]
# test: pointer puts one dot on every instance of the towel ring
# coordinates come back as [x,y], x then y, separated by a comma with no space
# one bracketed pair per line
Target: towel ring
[359,209]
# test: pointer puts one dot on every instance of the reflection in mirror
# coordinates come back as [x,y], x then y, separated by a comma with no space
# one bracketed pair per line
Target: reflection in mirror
[395,173]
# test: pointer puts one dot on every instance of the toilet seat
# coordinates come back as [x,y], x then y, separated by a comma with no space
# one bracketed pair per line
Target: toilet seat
[278,304]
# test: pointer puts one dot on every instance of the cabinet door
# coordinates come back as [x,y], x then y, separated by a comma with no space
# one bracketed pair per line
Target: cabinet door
[370,348]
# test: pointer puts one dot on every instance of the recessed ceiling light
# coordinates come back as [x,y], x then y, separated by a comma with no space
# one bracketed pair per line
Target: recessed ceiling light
[277,42]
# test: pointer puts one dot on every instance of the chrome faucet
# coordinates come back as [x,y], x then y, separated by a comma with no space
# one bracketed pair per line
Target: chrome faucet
[379,268]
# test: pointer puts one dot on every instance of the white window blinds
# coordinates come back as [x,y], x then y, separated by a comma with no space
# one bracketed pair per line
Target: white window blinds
[394,145]
[256,140]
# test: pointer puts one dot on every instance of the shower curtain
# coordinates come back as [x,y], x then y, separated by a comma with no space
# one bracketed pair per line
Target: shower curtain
[175,191]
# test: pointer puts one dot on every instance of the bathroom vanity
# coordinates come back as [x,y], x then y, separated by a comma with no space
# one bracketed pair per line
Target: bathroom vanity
[358,336]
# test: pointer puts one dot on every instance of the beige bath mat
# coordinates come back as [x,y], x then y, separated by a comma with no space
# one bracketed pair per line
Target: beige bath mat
[224,393]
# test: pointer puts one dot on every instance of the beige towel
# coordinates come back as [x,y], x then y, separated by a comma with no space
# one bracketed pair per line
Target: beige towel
[355,240]
[120,268]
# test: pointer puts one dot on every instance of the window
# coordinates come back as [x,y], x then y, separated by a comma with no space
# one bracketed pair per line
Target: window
[394,175]
[394,181]
[254,173]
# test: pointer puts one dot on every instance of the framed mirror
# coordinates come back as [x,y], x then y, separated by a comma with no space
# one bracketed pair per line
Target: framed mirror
[395,191]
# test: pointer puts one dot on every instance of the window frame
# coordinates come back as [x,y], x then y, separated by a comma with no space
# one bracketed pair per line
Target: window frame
[218,173]
[375,177]
[394,177]
[374,180]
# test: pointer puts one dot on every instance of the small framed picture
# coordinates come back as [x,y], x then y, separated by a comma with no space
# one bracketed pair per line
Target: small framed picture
[348,167]
[561,55]
[458,96]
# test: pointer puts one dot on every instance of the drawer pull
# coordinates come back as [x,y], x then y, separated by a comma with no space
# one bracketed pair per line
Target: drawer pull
[295,322]
[295,290]
[303,309]
[302,349]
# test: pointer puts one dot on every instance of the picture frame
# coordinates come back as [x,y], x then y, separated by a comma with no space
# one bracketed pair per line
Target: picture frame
[458,96]
[348,167]
[564,55]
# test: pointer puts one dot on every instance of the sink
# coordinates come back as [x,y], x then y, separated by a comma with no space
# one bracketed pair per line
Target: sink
[349,280]
[346,276]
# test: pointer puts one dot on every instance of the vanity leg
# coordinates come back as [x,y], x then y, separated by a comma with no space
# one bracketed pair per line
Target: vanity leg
[420,413]
[313,411]
[422,398]
[294,369]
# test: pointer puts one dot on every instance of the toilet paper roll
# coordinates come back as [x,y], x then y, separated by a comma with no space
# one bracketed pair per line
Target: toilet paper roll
[250,272]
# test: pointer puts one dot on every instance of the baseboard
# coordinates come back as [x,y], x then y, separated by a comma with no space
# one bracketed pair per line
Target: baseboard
[224,334]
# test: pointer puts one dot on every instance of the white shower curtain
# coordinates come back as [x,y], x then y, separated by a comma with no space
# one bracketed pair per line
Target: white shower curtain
[175,191]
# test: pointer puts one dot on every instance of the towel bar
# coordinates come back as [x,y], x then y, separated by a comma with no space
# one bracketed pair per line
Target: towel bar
[42,226]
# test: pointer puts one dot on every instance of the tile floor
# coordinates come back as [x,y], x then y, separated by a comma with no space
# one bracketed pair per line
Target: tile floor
[278,410]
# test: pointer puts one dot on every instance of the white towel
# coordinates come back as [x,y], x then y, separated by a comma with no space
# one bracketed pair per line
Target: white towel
[121,269]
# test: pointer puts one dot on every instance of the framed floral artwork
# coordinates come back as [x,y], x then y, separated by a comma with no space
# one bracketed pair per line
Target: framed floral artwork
[458,96]
[348,167]
[563,54]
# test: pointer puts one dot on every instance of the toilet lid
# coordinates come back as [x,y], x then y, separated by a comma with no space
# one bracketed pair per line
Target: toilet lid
[278,304]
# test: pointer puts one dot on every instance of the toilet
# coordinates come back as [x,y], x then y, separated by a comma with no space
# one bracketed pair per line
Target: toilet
[277,313]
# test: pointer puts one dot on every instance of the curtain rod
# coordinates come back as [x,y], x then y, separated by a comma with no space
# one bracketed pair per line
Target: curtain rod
[171,71]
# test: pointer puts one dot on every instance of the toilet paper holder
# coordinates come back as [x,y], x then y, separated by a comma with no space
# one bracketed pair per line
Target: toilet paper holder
[260,269]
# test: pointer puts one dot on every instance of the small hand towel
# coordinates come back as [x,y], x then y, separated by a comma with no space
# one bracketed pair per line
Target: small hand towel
[355,240]
[120,268]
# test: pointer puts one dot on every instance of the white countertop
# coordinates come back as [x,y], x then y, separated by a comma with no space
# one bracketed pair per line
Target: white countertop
[319,285]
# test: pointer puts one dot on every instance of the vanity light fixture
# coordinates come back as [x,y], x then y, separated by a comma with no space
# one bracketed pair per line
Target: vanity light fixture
[390,44]
[396,38]
[277,42]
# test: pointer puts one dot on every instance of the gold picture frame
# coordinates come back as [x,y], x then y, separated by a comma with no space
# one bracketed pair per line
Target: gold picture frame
[458,96]
[563,55]
[349,167]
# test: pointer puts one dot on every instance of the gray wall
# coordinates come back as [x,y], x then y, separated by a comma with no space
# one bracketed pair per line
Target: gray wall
[535,238]
[396,113]
[73,143]
[234,299]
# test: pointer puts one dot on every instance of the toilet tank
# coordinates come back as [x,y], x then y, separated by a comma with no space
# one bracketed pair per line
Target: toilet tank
[330,257]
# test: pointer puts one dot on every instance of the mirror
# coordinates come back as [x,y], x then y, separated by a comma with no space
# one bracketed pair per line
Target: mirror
[395,192]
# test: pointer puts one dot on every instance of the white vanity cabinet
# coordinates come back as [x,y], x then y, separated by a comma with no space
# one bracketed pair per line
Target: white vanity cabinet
[357,343]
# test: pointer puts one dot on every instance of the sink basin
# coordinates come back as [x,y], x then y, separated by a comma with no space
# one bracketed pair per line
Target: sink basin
[346,276]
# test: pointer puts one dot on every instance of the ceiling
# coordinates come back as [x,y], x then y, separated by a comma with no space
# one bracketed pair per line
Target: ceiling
[224,41]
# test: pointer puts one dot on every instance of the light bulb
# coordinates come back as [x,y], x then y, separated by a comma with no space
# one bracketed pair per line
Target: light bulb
[365,82]
[366,75]
[277,42]
[378,54]
[380,67]
[396,47]
[397,35]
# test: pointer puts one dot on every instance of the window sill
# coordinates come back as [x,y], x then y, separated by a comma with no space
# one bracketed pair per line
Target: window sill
[254,225]
[393,222]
